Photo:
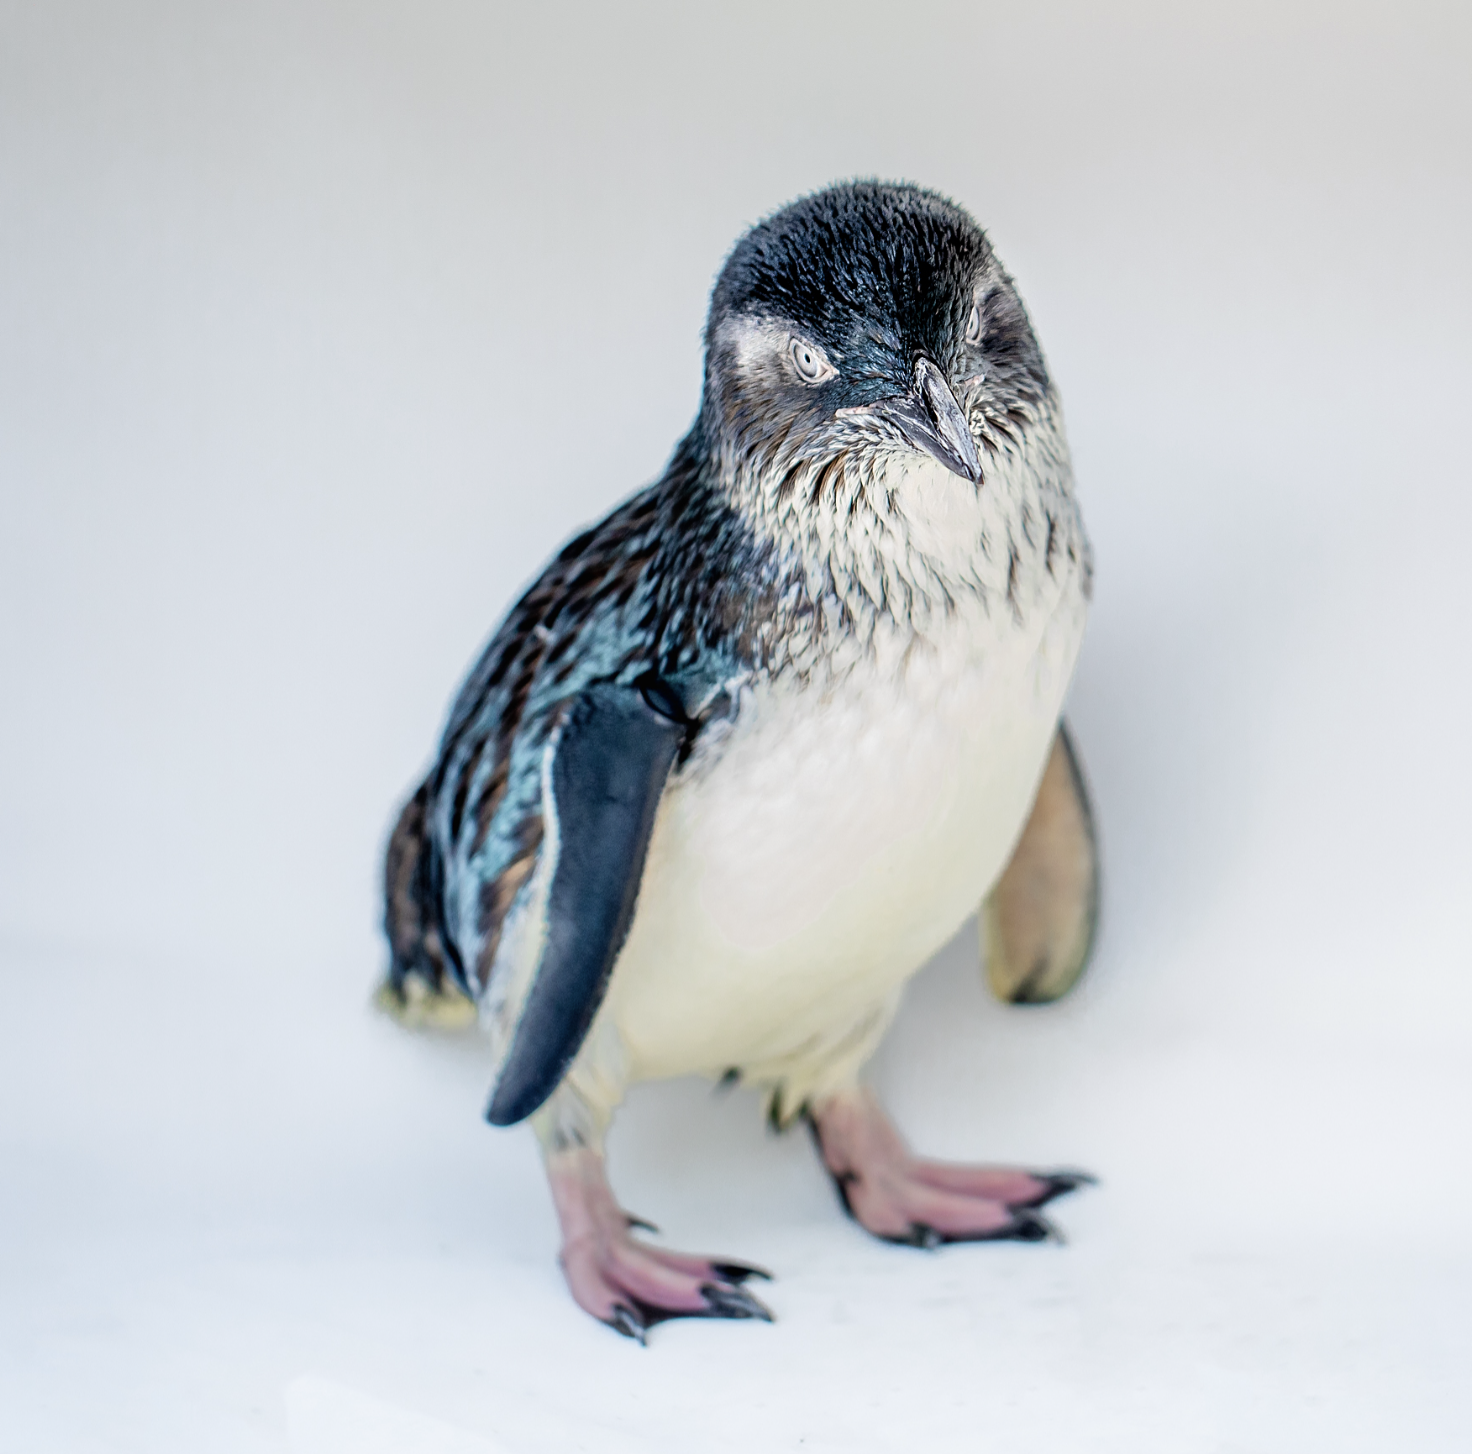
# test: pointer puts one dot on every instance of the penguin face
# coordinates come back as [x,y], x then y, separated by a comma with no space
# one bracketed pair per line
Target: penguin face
[865,318]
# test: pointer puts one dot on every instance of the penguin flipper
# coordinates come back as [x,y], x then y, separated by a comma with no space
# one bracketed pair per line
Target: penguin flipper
[1039,921]
[602,781]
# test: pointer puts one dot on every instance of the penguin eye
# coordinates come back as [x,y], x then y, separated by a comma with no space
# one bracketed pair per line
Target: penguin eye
[973,324]
[811,366]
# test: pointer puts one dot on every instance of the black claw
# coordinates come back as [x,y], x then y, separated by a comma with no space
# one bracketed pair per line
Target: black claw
[1057,1184]
[918,1235]
[738,1272]
[633,1221]
[732,1302]
[1026,1225]
[627,1320]
[635,1318]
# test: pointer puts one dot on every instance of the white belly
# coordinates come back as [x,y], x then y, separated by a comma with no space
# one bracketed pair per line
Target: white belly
[833,843]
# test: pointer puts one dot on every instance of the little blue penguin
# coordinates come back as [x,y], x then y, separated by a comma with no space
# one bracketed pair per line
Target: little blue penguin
[754,746]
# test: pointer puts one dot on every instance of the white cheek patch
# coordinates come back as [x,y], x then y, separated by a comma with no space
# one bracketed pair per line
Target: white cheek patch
[755,345]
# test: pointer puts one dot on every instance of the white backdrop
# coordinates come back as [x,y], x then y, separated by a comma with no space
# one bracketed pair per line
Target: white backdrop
[321,327]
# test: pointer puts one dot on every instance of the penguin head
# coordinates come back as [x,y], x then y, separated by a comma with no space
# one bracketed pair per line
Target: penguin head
[864,320]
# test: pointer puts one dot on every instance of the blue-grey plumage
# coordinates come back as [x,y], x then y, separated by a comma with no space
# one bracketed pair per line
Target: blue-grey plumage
[861,582]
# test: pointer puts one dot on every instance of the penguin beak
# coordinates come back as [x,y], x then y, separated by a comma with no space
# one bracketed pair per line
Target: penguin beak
[930,419]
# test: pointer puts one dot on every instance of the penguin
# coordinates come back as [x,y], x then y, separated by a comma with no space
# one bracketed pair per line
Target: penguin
[753,747]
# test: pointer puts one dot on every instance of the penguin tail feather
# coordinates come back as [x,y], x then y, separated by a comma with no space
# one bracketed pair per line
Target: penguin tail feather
[419,991]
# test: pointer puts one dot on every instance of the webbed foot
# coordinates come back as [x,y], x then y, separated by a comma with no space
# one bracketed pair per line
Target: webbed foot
[904,1198]
[625,1282]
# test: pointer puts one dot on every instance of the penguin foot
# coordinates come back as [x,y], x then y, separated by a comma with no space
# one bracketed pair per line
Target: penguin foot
[903,1198]
[625,1282]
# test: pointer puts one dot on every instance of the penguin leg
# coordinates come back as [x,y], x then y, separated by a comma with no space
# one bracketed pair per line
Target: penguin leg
[901,1197]
[1038,922]
[617,1277]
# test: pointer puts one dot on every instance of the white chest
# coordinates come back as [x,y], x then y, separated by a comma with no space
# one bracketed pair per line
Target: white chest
[835,839]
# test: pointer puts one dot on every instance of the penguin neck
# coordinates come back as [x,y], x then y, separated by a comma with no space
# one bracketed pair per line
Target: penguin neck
[890,545]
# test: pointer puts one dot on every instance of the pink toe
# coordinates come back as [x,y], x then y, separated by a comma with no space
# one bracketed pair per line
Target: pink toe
[1005,1184]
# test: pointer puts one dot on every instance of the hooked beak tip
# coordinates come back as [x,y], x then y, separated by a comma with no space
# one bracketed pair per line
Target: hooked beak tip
[929,419]
[948,436]
[968,469]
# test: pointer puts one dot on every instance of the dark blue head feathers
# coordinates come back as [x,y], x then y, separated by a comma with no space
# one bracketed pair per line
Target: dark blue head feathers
[872,299]
[858,264]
